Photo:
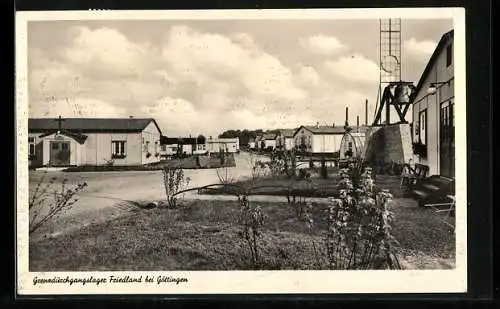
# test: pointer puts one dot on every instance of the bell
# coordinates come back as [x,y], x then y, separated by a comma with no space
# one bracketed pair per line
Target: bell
[402,94]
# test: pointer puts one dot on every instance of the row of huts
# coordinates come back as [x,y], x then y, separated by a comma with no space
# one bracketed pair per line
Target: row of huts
[120,141]
[315,140]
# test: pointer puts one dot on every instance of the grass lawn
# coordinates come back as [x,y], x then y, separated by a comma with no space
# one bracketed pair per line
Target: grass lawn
[312,187]
[203,235]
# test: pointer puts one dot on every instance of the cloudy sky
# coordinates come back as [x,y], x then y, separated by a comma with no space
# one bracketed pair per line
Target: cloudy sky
[208,76]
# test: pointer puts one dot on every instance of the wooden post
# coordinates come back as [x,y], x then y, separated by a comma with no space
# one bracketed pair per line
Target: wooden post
[366,112]
[324,171]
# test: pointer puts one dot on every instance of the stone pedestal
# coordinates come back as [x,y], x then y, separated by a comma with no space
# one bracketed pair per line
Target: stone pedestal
[390,143]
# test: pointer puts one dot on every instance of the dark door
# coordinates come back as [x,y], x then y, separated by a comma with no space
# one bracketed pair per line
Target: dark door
[447,140]
[59,153]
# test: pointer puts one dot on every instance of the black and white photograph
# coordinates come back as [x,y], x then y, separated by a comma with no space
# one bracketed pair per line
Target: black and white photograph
[241,151]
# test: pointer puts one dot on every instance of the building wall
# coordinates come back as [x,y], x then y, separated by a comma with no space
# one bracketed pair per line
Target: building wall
[98,148]
[75,149]
[285,142]
[231,145]
[305,136]
[289,143]
[326,143]
[151,144]
[38,142]
[270,143]
[169,150]
[187,149]
[432,103]
[200,149]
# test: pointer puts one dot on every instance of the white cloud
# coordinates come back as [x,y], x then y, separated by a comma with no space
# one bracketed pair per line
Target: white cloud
[421,50]
[323,45]
[193,82]
[355,68]
[70,107]
[106,51]
[204,56]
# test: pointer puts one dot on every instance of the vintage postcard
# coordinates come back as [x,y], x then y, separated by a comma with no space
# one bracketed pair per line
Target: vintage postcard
[244,151]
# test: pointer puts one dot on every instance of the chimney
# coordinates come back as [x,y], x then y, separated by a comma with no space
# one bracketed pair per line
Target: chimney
[333,124]
[357,121]
[347,116]
[366,112]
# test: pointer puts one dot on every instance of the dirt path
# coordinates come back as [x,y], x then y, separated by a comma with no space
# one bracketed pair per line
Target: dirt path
[112,194]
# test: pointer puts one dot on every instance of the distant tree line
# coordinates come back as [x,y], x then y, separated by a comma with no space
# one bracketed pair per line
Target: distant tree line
[244,135]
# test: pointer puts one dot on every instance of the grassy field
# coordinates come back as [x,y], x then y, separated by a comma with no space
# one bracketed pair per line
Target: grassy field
[203,235]
[312,187]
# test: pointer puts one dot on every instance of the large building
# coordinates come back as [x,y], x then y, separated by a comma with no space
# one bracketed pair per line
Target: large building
[433,116]
[93,141]
[319,139]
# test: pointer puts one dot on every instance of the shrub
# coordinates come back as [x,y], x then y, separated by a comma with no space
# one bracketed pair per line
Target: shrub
[359,224]
[174,182]
[304,174]
[251,220]
[58,201]
[224,176]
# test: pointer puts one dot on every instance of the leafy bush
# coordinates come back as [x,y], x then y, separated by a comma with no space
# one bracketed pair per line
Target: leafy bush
[304,174]
[224,176]
[359,224]
[174,182]
[251,220]
[46,203]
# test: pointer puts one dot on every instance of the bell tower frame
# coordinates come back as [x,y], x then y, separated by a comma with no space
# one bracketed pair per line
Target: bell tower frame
[392,90]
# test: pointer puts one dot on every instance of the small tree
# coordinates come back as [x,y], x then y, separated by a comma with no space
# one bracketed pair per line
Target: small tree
[251,220]
[359,223]
[174,181]
[49,201]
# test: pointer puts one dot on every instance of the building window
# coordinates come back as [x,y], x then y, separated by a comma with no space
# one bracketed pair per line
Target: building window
[447,128]
[349,146]
[31,147]
[118,149]
[163,147]
[449,55]
[422,127]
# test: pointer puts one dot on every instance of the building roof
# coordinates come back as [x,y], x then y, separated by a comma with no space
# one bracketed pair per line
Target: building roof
[80,138]
[439,48]
[91,125]
[322,129]
[359,141]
